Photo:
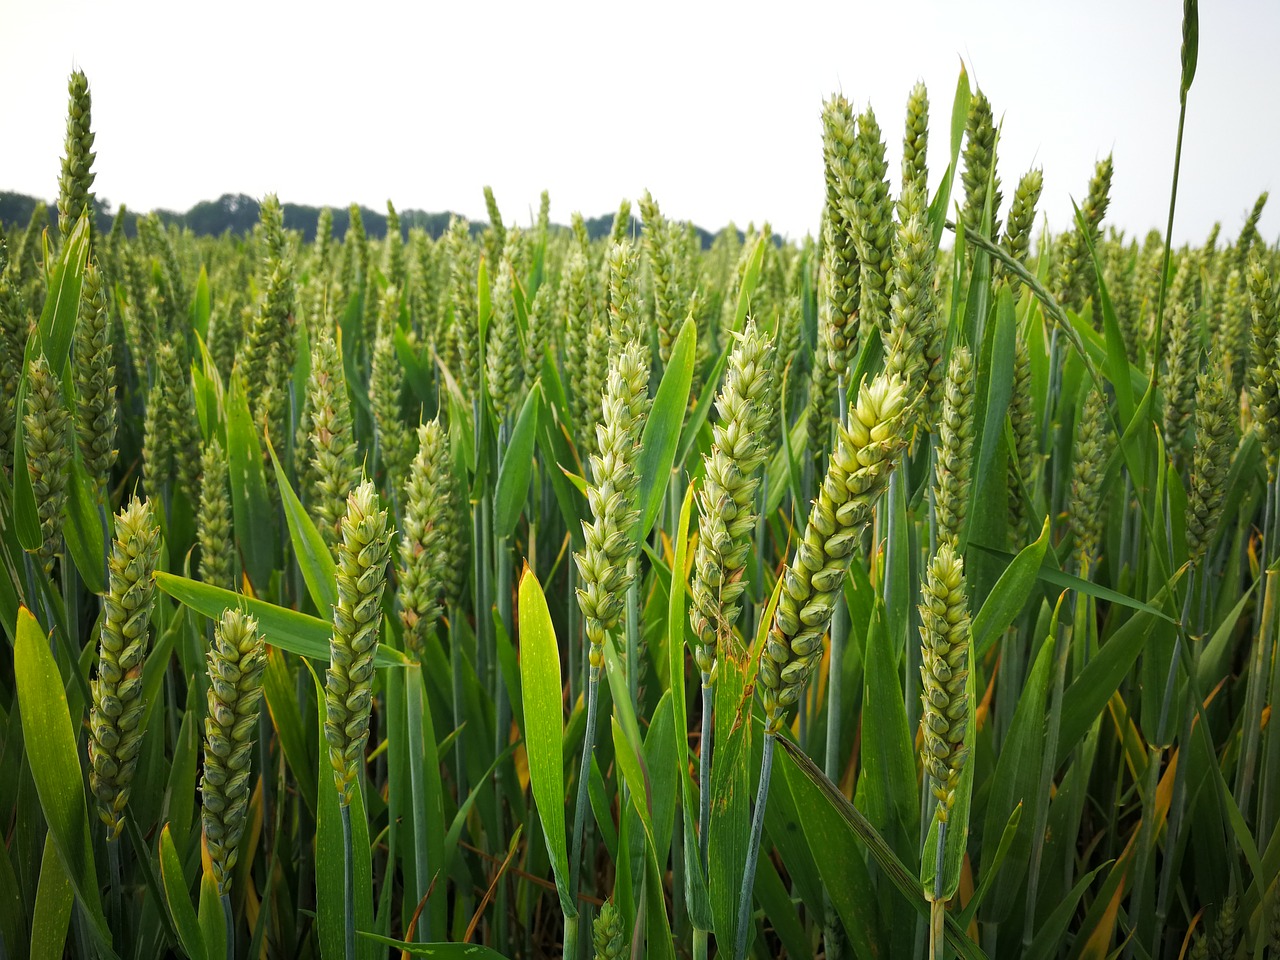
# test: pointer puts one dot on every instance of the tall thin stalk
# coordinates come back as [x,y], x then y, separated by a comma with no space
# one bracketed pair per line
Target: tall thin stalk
[584,774]
[753,850]
[348,886]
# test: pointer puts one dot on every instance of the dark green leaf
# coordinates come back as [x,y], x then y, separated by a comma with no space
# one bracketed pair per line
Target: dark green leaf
[1010,593]
[251,507]
[516,469]
[662,429]
[881,852]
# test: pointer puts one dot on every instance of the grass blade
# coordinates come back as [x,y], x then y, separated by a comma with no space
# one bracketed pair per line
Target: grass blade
[662,429]
[55,763]
[543,728]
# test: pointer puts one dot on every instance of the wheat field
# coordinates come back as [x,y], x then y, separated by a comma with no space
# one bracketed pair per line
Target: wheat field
[526,590]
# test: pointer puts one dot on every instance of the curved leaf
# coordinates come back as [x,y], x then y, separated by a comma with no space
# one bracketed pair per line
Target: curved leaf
[314,557]
[823,790]
[178,897]
[1010,593]
[287,629]
[55,762]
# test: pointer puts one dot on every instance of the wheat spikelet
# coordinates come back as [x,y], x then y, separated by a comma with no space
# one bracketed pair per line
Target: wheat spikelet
[237,659]
[46,426]
[726,501]
[115,716]
[357,624]
[944,671]
[602,563]
[858,473]
[75,186]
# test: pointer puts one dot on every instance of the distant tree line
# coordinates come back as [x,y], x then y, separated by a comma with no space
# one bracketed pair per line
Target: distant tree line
[236,213]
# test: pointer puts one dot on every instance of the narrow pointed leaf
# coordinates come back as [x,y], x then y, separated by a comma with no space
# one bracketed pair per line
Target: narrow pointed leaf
[543,727]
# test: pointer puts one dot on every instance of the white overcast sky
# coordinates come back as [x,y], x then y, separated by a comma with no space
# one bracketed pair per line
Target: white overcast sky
[713,107]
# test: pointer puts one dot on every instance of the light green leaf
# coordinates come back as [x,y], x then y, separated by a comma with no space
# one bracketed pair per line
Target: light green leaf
[51,917]
[543,727]
[287,629]
[202,306]
[1010,593]
[190,935]
[315,560]
[211,917]
[55,763]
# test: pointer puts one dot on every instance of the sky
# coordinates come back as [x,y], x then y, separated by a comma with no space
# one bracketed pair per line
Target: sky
[713,107]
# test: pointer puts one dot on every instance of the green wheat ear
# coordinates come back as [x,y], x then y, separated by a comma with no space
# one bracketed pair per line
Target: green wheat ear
[269,349]
[979,167]
[1182,368]
[871,215]
[357,623]
[464,329]
[115,716]
[602,563]
[865,455]
[914,342]
[1022,220]
[726,501]
[955,447]
[495,236]
[171,441]
[626,314]
[46,426]
[586,348]
[1264,395]
[95,380]
[431,539]
[1249,232]
[335,469]
[213,526]
[1022,420]
[538,333]
[914,192]
[1222,944]
[840,267]
[944,670]
[237,659]
[607,934]
[660,251]
[394,265]
[75,186]
[13,337]
[1211,461]
[1075,281]
[386,380]
[504,363]
[1094,443]
[355,255]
